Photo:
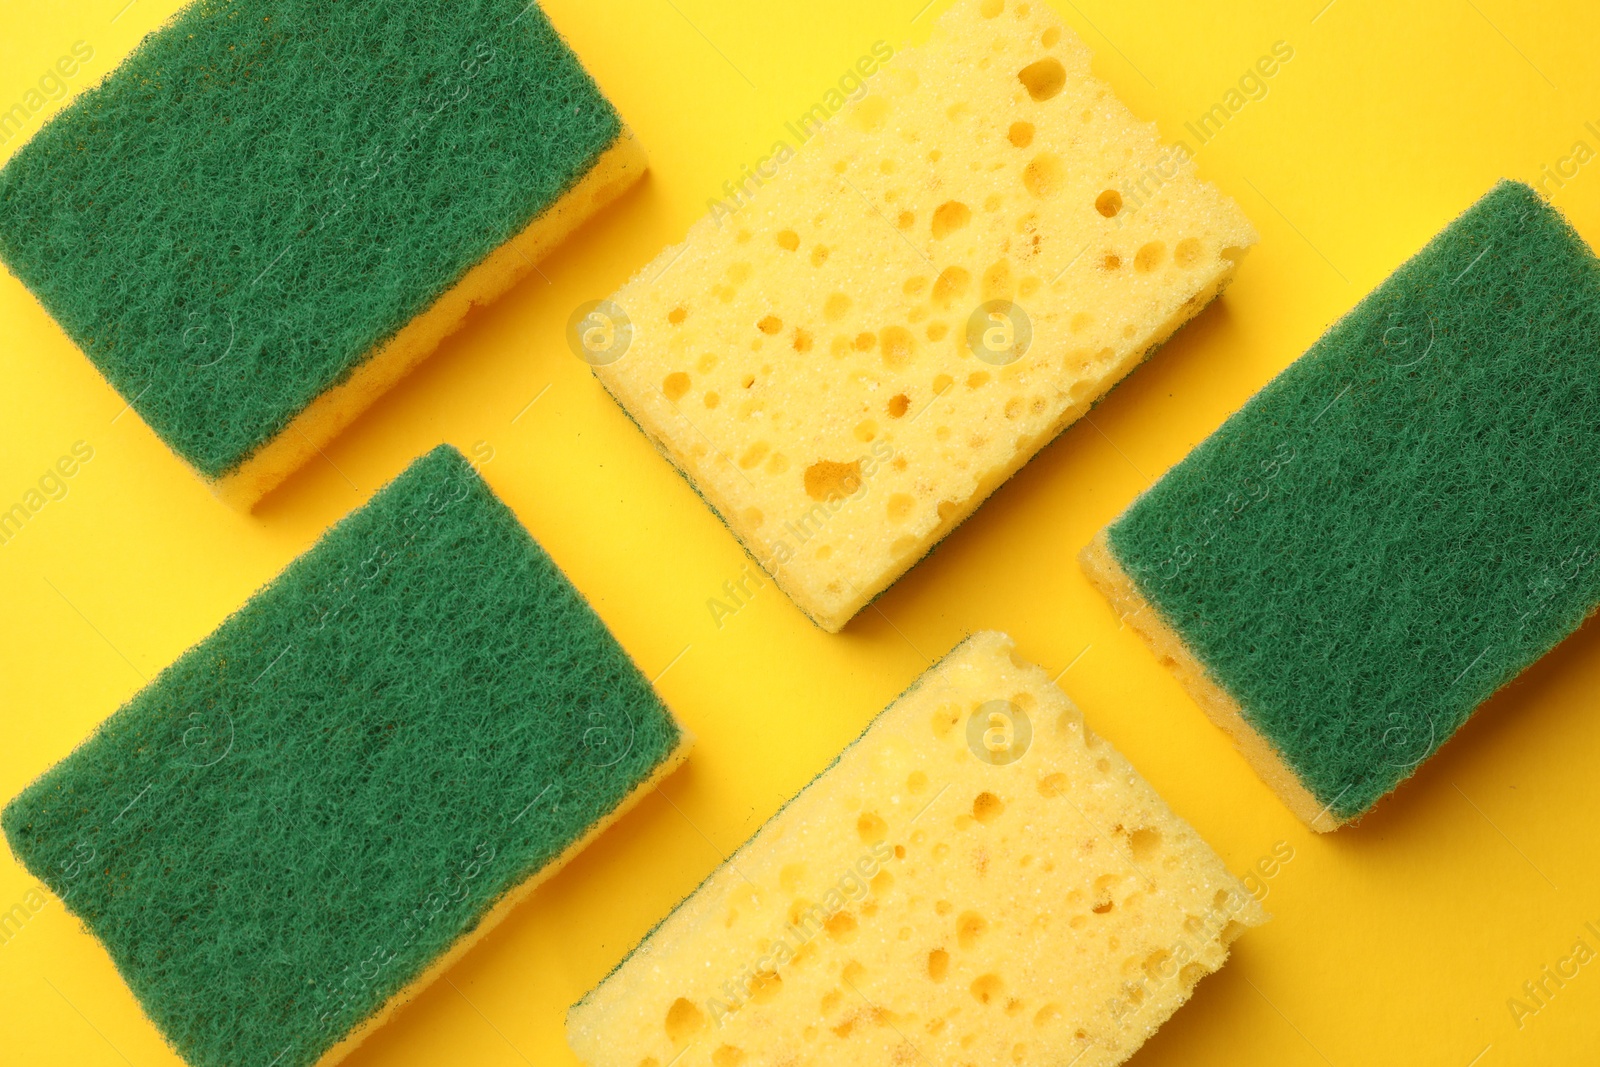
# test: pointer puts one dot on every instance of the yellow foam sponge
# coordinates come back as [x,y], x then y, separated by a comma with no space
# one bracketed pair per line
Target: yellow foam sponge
[977,879]
[940,281]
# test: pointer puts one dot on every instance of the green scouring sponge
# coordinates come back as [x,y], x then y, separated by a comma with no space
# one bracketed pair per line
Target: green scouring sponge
[1396,526]
[274,209]
[321,805]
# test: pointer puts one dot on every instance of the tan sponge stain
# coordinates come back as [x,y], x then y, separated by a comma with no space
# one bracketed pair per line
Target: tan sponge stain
[978,879]
[938,282]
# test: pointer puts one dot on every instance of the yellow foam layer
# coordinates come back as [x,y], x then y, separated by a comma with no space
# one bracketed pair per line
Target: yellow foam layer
[1100,564]
[836,362]
[979,879]
[504,907]
[614,171]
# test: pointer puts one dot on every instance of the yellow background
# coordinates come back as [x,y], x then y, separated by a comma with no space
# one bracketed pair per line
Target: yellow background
[1397,941]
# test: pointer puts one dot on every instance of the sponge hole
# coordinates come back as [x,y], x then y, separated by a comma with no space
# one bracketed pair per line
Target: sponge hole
[1044,175]
[1144,843]
[986,988]
[1043,79]
[1020,134]
[969,928]
[950,216]
[986,807]
[871,827]
[897,345]
[684,1021]
[951,284]
[754,455]
[1108,203]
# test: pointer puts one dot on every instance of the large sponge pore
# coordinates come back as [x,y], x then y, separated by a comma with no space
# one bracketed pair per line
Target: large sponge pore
[1397,525]
[978,879]
[310,812]
[939,281]
[275,208]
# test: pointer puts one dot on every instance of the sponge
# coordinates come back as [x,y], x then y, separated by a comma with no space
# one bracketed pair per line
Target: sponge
[977,879]
[274,209]
[936,284]
[1396,526]
[320,806]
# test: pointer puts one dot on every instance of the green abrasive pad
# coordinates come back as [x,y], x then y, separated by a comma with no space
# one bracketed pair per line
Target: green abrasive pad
[293,820]
[1406,517]
[266,190]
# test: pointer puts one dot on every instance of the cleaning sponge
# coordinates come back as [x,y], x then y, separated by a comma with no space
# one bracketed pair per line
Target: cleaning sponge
[1396,526]
[274,209]
[977,879]
[935,285]
[322,804]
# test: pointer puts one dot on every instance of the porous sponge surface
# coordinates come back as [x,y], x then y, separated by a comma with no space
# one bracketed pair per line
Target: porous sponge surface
[287,825]
[807,362]
[267,190]
[978,879]
[1404,519]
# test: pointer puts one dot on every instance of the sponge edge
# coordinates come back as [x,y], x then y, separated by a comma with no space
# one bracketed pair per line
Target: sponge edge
[977,871]
[316,810]
[1100,565]
[618,168]
[319,195]
[1394,527]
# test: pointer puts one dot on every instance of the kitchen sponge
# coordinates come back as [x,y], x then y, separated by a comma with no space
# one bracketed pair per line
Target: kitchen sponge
[977,879]
[320,806]
[940,280]
[1396,526]
[274,209]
